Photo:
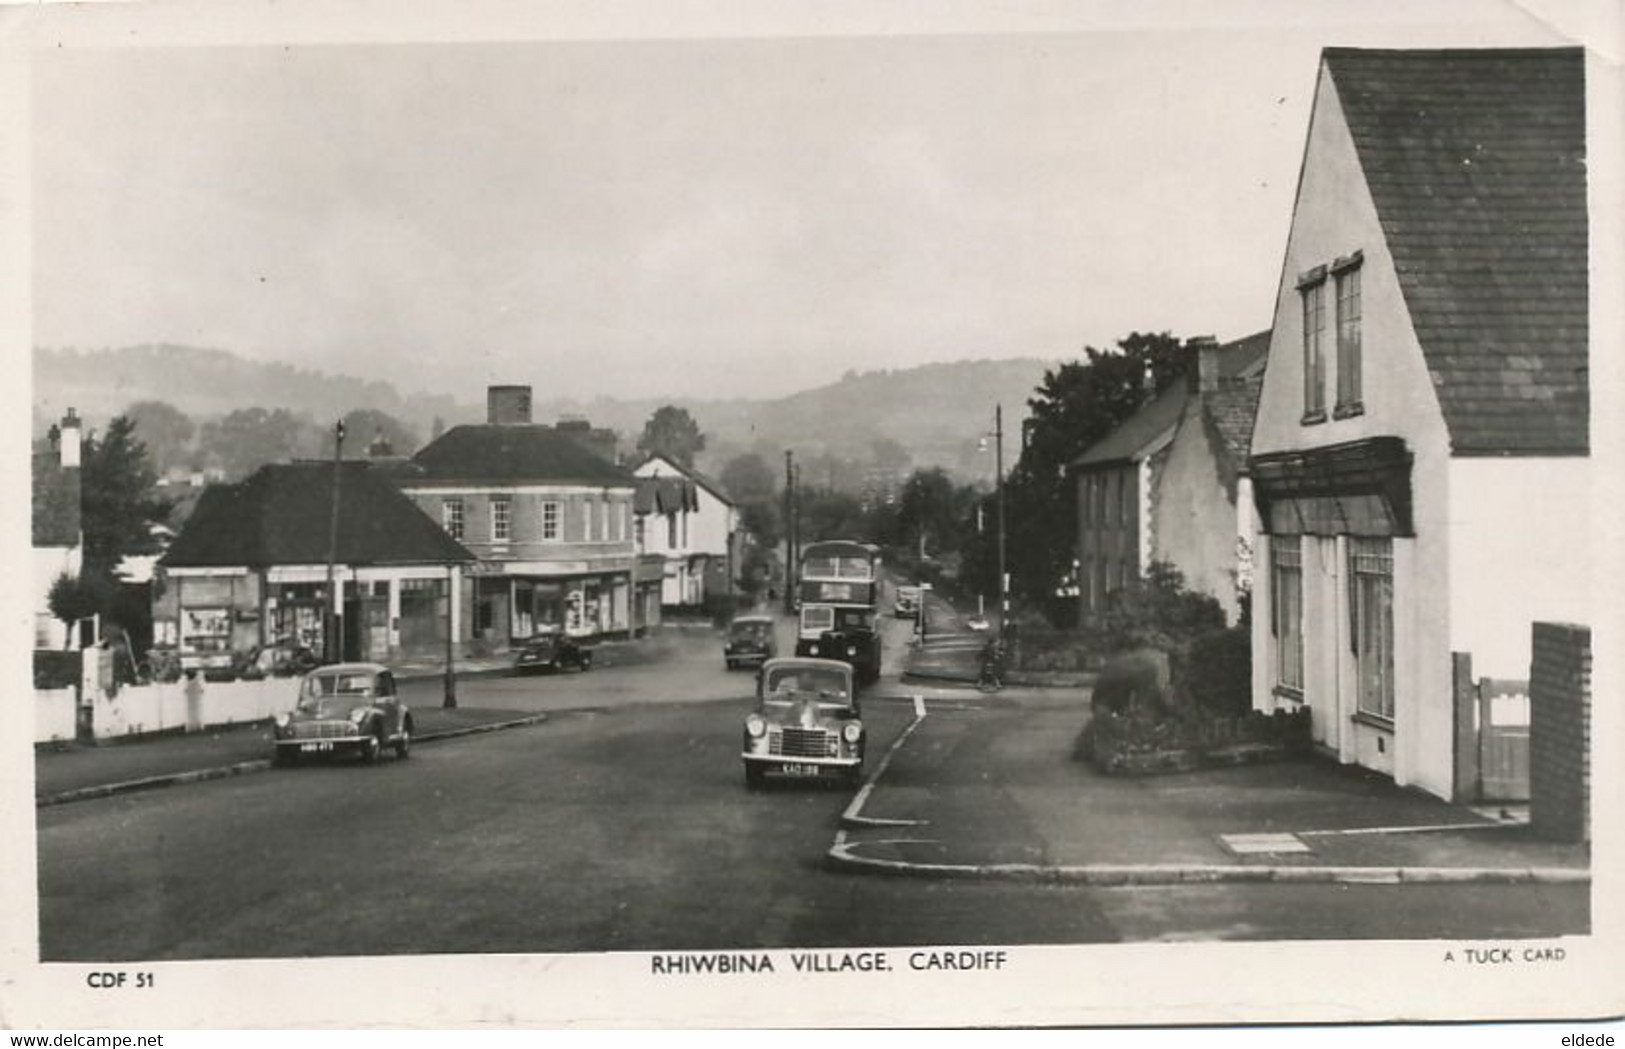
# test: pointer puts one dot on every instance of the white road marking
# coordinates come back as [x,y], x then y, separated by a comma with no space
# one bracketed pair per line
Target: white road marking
[855,808]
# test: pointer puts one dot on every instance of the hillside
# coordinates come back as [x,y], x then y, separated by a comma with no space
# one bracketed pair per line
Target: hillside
[937,411]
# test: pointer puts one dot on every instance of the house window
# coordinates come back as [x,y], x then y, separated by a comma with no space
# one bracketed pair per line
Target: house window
[637,533]
[501,519]
[1286,612]
[1348,336]
[1313,290]
[451,517]
[1126,498]
[671,531]
[603,520]
[1371,620]
[550,520]
[586,520]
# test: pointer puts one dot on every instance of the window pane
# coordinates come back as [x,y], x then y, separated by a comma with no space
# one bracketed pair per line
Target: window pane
[1348,337]
[1314,365]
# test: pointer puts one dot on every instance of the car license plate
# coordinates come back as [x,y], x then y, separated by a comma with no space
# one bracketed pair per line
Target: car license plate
[799,770]
[307,748]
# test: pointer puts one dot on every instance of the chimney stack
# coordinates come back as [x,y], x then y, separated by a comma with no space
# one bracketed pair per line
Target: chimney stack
[1206,372]
[70,440]
[507,405]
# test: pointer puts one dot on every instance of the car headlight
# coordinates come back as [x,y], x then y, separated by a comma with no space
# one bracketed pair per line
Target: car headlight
[852,732]
[282,719]
[358,715]
[851,650]
[812,650]
[755,725]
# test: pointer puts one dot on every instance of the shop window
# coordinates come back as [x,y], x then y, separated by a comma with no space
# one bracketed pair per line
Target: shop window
[1286,610]
[1371,620]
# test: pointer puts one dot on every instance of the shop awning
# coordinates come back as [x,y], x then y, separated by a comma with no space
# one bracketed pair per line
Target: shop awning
[1355,488]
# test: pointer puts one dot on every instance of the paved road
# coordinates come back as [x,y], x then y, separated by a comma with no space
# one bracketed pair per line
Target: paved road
[621,823]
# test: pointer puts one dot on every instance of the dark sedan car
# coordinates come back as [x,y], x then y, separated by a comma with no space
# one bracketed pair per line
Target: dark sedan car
[805,723]
[345,707]
[750,641]
[552,652]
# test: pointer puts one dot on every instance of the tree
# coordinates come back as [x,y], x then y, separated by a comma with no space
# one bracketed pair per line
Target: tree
[1076,406]
[248,438]
[363,427]
[925,511]
[72,598]
[748,479]
[672,432]
[165,430]
[117,501]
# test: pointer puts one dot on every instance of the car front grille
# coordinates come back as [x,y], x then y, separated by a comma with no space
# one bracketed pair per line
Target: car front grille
[802,743]
[322,729]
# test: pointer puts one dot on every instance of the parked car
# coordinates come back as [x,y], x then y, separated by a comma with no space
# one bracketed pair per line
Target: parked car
[805,723]
[907,603]
[977,623]
[552,652]
[750,640]
[345,707]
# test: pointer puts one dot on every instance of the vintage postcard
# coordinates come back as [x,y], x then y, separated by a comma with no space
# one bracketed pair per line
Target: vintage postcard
[714,515]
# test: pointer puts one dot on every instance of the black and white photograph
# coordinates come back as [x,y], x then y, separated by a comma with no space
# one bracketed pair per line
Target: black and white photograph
[785,515]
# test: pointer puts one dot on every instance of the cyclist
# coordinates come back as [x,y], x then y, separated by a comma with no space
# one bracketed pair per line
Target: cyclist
[991,676]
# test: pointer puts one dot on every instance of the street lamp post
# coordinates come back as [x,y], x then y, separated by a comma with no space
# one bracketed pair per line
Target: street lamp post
[998,475]
[332,635]
[450,700]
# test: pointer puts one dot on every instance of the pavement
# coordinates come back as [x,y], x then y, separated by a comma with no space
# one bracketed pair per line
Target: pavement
[991,790]
[78,772]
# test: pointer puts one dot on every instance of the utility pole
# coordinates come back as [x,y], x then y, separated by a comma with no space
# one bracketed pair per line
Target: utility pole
[333,632]
[789,541]
[998,467]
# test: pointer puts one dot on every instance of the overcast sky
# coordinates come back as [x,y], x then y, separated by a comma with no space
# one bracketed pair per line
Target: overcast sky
[685,218]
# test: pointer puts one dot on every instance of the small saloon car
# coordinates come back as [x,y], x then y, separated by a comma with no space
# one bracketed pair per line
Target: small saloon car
[552,652]
[805,723]
[349,707]
[750,641]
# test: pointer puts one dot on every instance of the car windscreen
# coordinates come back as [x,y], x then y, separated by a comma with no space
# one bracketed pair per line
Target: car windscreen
[754,629]
[789,684]
[319,688]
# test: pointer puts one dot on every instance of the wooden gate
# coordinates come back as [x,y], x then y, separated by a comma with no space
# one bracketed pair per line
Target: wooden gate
[1503,740]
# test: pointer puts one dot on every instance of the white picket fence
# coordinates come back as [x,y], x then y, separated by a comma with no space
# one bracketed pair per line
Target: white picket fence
[54,714]
[139,709]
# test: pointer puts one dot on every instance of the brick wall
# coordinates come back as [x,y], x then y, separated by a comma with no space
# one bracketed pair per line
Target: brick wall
[1560,732]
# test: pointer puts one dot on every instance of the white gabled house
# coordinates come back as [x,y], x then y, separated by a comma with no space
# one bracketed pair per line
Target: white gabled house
[687,519]
[1420,458]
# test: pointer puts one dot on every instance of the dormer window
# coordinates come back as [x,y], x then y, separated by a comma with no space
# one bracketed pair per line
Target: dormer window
[1312,288]
[1346,274]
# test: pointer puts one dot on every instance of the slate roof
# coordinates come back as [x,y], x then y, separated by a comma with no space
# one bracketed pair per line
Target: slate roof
[56,501]
[1146,428]
[1476,163]
[280,515]
[524,454]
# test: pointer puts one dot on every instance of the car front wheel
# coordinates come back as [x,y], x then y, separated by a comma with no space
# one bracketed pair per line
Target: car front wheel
[754,777]
[403,744]
[371,746]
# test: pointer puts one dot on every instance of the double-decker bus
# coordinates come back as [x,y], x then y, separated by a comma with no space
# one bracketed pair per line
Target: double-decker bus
[839,587]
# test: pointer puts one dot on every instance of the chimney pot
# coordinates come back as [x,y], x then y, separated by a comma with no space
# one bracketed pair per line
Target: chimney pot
[507,405]
[1206,372]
